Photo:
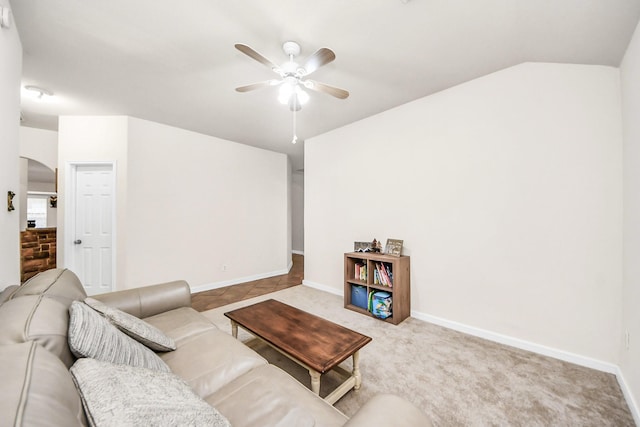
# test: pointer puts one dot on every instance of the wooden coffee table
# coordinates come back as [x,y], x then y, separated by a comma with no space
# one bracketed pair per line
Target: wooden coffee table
[311,341]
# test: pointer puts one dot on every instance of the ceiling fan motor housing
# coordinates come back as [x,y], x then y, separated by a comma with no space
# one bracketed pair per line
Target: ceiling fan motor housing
[291,48]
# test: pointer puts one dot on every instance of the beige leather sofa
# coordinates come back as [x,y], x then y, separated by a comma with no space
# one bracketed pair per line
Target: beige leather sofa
[37,387]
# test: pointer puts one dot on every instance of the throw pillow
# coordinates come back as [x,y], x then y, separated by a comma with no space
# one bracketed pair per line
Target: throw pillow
[136,328]
[91,335]
[118,395]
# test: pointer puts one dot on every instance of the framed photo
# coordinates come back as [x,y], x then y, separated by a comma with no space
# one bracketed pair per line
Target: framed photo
[393,247]
[362,246]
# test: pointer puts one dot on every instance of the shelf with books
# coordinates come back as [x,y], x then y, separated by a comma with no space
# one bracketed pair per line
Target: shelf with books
[372,272]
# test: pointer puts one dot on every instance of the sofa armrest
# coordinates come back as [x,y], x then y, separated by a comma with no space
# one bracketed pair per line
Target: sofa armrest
[395,410]
[149,300]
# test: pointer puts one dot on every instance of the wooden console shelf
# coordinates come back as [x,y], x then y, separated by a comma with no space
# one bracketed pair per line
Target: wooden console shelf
[400,289]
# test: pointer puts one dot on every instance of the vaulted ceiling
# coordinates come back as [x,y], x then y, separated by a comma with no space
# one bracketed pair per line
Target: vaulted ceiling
[175,62]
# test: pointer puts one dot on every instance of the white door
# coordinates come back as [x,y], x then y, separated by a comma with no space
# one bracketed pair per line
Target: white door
[92,235]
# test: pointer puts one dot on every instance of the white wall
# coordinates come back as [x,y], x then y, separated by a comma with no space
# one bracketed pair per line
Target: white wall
[630,358]
[297,203]
[189,206]
[10,71]
[93,139]
[40,145]
[507,193]
[196,203]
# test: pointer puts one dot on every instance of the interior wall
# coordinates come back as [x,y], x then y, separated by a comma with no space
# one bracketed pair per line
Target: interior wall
[40,145]
[507,192]
[10,74]
[93,139]
[630,357]
[203,209]
[297,202]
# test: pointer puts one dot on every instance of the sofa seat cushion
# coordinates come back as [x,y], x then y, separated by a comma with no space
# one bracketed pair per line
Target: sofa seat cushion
[91,335]
[211,359]
[269,397]
[181,323]
[122,395]
[38,318]
[37,389]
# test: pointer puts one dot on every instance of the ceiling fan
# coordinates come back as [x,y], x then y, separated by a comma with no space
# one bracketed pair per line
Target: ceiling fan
[293,77]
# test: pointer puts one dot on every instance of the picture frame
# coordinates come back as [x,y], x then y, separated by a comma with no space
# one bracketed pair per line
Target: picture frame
[361,246]
[393,247]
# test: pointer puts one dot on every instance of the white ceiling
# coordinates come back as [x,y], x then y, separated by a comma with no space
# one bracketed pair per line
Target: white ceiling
[174,62]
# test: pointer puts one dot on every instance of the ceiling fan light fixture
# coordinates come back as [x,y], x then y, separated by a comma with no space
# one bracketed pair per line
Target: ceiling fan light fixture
[285,93]
[303,97]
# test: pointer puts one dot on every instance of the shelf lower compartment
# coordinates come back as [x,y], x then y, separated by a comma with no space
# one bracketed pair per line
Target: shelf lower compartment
[357,309]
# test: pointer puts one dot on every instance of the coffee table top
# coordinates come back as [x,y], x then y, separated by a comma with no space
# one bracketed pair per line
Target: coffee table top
[318,343]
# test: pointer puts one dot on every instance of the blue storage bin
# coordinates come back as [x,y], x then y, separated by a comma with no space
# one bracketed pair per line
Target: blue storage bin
[359,296]
[380,304]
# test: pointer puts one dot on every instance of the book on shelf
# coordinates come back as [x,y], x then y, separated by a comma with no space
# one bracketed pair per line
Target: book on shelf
[360,272]
[382,275]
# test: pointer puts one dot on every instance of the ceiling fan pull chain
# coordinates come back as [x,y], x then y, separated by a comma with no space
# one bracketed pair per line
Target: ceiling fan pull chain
[295,137]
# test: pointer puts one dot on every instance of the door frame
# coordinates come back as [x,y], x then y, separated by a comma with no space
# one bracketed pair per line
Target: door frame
[71,169]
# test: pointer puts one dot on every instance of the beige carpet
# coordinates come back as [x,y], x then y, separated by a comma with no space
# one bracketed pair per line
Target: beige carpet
[456,379]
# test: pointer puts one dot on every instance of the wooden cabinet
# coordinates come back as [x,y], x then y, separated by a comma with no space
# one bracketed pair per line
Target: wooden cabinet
[363,273]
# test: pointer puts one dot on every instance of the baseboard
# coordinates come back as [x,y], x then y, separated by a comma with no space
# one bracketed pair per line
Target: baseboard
[236,281]
[496,337]
[628,395]
[519,343]
[321,287]
[298,252]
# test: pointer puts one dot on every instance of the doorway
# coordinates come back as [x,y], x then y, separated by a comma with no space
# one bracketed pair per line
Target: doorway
[90,221]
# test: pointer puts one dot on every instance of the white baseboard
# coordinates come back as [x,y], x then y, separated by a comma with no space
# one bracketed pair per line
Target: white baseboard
[321,287]
[543,350]
[298,252]
[519,343]
[236,281]
[628,395]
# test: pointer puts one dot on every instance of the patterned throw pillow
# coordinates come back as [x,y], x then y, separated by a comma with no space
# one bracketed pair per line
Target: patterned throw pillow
[91,335]
[136,328]
[120,395]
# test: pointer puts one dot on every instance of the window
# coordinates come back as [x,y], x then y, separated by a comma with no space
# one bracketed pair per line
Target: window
[37,210]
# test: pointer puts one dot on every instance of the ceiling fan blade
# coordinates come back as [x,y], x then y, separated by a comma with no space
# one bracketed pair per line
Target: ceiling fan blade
[255,55]
[259,85]
[321,57]
[325,88]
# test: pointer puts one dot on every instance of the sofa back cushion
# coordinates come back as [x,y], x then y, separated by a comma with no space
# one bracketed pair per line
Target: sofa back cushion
[37,389]
[40,319]
[39,311]
[58,283]
[7,293]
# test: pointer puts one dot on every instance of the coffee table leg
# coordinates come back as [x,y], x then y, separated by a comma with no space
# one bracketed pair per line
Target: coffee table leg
[234,329]
[356,370]
[315,381]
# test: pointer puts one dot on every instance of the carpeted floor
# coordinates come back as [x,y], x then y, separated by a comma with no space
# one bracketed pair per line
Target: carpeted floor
[456,379]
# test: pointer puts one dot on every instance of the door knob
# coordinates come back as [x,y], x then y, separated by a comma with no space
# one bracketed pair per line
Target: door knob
[77,242]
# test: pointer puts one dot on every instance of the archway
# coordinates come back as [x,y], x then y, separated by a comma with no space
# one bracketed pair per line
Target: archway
[38,218]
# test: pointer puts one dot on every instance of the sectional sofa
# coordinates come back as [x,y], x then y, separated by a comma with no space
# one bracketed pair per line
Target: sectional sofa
[64,362]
